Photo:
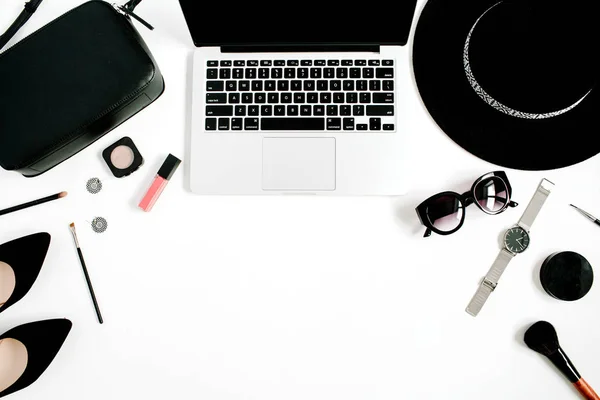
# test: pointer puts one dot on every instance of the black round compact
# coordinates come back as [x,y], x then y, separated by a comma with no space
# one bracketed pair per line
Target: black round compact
[567,276]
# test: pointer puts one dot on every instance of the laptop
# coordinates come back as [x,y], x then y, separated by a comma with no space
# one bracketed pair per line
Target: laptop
[299,98]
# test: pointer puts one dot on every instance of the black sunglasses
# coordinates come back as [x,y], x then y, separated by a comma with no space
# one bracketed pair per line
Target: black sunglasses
[444,212]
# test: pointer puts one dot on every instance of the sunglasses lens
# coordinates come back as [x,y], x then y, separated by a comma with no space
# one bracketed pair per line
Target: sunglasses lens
[492,195]
[445,213]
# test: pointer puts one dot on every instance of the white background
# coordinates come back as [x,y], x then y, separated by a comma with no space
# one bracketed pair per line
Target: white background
[295,298]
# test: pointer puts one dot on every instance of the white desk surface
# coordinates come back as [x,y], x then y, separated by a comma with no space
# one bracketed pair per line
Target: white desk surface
[295,298]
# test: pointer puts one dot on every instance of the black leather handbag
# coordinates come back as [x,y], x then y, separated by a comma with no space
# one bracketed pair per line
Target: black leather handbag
[71,82]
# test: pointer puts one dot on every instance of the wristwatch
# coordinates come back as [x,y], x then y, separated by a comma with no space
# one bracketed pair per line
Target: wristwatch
[516,240]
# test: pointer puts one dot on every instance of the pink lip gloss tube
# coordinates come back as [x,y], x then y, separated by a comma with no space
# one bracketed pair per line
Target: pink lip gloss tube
[160,182]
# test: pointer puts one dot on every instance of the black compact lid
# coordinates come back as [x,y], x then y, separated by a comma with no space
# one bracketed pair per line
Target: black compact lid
[567,276]
[169,167]
[514,82]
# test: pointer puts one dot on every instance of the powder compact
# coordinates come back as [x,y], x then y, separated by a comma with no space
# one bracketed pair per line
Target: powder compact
[567,276]
[123,157]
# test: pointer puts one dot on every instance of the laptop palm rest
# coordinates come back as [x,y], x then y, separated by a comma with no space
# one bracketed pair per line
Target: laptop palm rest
[299,164]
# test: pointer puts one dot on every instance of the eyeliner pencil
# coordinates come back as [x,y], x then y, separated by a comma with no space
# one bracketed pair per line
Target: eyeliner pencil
[34,203]
[87,276]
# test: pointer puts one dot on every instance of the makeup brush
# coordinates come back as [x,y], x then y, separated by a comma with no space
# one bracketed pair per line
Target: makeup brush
[542,337]
[85,272]
[587,215]
[34,203]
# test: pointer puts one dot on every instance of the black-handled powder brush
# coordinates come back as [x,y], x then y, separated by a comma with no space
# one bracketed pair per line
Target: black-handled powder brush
[542,337]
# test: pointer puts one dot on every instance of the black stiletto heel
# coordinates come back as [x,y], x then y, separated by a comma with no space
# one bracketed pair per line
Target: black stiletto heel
[25,256]
[27,350]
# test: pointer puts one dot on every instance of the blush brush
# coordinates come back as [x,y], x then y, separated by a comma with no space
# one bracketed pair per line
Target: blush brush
[542,338]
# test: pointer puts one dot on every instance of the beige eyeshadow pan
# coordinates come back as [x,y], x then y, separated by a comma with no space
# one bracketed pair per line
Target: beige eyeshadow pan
[123,158]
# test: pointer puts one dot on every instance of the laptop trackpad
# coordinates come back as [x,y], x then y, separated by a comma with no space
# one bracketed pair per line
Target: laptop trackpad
[298,164]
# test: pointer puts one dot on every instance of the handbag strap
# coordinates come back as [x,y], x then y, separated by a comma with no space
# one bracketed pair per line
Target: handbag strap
[30,7]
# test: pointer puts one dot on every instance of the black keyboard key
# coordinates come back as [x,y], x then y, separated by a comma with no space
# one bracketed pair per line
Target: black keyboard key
[273,98]
[358,111]
[368,73]
[296,86]
[309,85]
[212,73]
[212,63]
[347,63]
[374,86]
[223,124]
[299,98]
[322,85]
[312,97]
[342,73]
[306,111]
[265,63]
[234,98]
[257,86]
[231,86]
[253,110]
[237,124]
[316,73]
[216,98]
[338,97]
[375,124]
[240,111]
[387,63]
[260,98]
[211,123]
[279,110]
[384,73]
[383,97]
[319,110]
[302,73]
[351,98]
[244,86]
[325,98]
[215,86]
[329,73]
[250,73]
[334,124]
[219,111]
[348,85]
[332,111]
[362,127]
[345,110]
[292,110]
[279,63]
[239,63]
[246,98]
[266,111]
[277,73]
[374,63]
[348,124]
[293,124]
[251,124]
[388,127]
[306,63]
[270,86]
[378,111]
[263,73]
[365,98]
[361,85]
[286,97]
[355,73]
[388,85]
[283,86]
[225,73]
[289,73]
[360,63]
[238,73]
[293,63]
[335,85]
[333,63]
[225,63]
[320,63]
[253,63]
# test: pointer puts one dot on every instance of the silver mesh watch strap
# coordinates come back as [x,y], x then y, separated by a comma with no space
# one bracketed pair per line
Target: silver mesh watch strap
[489,282]
[535,205]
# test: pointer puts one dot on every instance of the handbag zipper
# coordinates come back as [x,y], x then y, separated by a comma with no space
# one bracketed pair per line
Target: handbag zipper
[122,10]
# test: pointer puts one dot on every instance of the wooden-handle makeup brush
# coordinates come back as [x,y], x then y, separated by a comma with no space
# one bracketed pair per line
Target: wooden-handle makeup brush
[542,337]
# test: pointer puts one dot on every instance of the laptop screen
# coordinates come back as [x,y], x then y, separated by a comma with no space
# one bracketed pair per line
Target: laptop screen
[219,23]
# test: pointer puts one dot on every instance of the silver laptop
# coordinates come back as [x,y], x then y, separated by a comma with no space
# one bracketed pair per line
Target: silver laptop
[303,99]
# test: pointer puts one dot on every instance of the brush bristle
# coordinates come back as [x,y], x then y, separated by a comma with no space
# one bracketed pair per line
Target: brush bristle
[62,194]
[542,337]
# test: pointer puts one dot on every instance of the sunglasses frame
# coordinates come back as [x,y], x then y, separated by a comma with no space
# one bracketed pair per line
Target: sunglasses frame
[466,199]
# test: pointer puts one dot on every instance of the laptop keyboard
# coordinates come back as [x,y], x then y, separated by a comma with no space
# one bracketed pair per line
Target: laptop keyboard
[300,95]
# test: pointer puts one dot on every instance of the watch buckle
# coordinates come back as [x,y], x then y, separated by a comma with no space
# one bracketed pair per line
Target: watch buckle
[489,284]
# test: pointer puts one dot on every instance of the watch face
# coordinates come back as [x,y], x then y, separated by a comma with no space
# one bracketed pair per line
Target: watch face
[516,240]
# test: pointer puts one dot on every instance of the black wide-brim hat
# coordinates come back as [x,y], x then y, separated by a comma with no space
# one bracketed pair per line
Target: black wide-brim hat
[514,82]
